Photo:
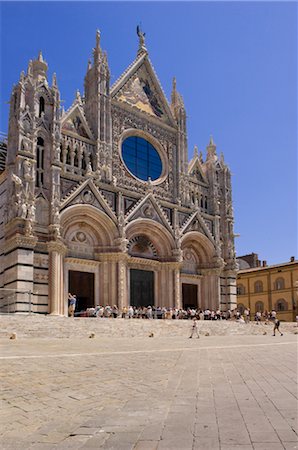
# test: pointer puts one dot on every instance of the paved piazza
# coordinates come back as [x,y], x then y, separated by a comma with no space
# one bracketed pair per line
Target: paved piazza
[216,392]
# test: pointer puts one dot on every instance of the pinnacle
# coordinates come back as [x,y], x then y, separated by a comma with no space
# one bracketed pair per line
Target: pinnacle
[211,142]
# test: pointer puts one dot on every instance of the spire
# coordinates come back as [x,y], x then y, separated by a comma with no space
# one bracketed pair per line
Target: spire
[89,65]
[211,149]
[201,157]
[39,67]
[195,151]
[40,58]
[78,97]
[142,46]
[54,80]
[97,49]
[211,142]
[176,99]
[174,92]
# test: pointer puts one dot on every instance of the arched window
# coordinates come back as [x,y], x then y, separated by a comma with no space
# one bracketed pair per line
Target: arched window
[279,284]
[258,286]
[206,203]
[84,165]
[259,307]
[40,162]
[281,305]
[201,202]
[76,158]
[240,289]
[41,106]
[68,156]
[61,153]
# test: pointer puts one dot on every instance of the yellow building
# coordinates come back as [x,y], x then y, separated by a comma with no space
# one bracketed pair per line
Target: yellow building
[269,288]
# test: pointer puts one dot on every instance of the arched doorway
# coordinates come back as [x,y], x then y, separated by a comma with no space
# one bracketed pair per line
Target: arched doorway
[88,233]
[199,284]
[150,248]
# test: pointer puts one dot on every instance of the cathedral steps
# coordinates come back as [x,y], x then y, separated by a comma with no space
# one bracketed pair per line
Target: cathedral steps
[47,327]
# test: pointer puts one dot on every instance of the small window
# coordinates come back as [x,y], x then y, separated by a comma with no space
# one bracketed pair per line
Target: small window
[281,305]
[279,284]
[41,106]
[259,307]
[258,286]
[240,289]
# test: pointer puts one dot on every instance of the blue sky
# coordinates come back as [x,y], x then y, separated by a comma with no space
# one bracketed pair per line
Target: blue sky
[236,68]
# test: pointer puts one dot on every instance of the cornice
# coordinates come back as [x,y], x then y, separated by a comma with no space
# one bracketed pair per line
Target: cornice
[85,262]
[20,240]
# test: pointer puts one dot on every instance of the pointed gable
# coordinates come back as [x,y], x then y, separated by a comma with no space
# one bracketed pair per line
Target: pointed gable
[149,208]
[195,170]
[140,88]
[87,193]
[197,223]
[75,122]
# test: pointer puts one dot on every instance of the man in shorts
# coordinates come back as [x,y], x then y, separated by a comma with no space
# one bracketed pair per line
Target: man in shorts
[276,326]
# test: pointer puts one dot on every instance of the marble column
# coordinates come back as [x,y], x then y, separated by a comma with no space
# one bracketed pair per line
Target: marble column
[57,251]
[122,284]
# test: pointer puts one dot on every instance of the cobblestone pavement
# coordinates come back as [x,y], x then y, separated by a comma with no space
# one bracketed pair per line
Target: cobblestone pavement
[216,392]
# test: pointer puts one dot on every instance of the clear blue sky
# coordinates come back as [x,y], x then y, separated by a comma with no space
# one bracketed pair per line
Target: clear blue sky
[236,67]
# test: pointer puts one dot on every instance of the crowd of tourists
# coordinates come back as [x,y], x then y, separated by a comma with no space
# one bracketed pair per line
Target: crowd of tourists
[152,312]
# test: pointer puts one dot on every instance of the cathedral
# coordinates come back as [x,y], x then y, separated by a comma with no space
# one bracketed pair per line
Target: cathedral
[101,200]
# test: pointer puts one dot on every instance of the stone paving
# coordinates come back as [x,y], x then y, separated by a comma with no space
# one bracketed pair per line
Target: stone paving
[160,393]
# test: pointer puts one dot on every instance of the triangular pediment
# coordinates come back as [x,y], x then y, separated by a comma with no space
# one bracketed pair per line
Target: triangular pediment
[87,193]
[195,170]
[140,88]
[148,208]
[75,122]
[197,223]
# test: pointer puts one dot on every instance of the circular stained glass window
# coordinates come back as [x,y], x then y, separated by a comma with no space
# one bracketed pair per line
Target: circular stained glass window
[141,158]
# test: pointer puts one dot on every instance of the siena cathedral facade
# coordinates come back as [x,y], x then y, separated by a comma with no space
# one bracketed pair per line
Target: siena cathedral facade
[101,200]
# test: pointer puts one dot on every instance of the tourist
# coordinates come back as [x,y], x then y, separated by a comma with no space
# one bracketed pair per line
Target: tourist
[247,315]
[124,312]
[194,328]
[72,299]
[130,312]
[276,326]
[258,317]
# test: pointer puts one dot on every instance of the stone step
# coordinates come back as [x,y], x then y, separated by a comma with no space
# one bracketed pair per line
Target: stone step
[47,326]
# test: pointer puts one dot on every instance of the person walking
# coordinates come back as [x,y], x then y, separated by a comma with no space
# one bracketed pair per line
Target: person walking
[194,328]
[276,327]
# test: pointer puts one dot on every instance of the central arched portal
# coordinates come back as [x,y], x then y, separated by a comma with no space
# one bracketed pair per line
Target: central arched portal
[150,277]
[200,286]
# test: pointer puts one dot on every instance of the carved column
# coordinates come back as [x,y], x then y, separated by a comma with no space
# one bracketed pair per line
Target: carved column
[122,284]
[57,251]
[177,287]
